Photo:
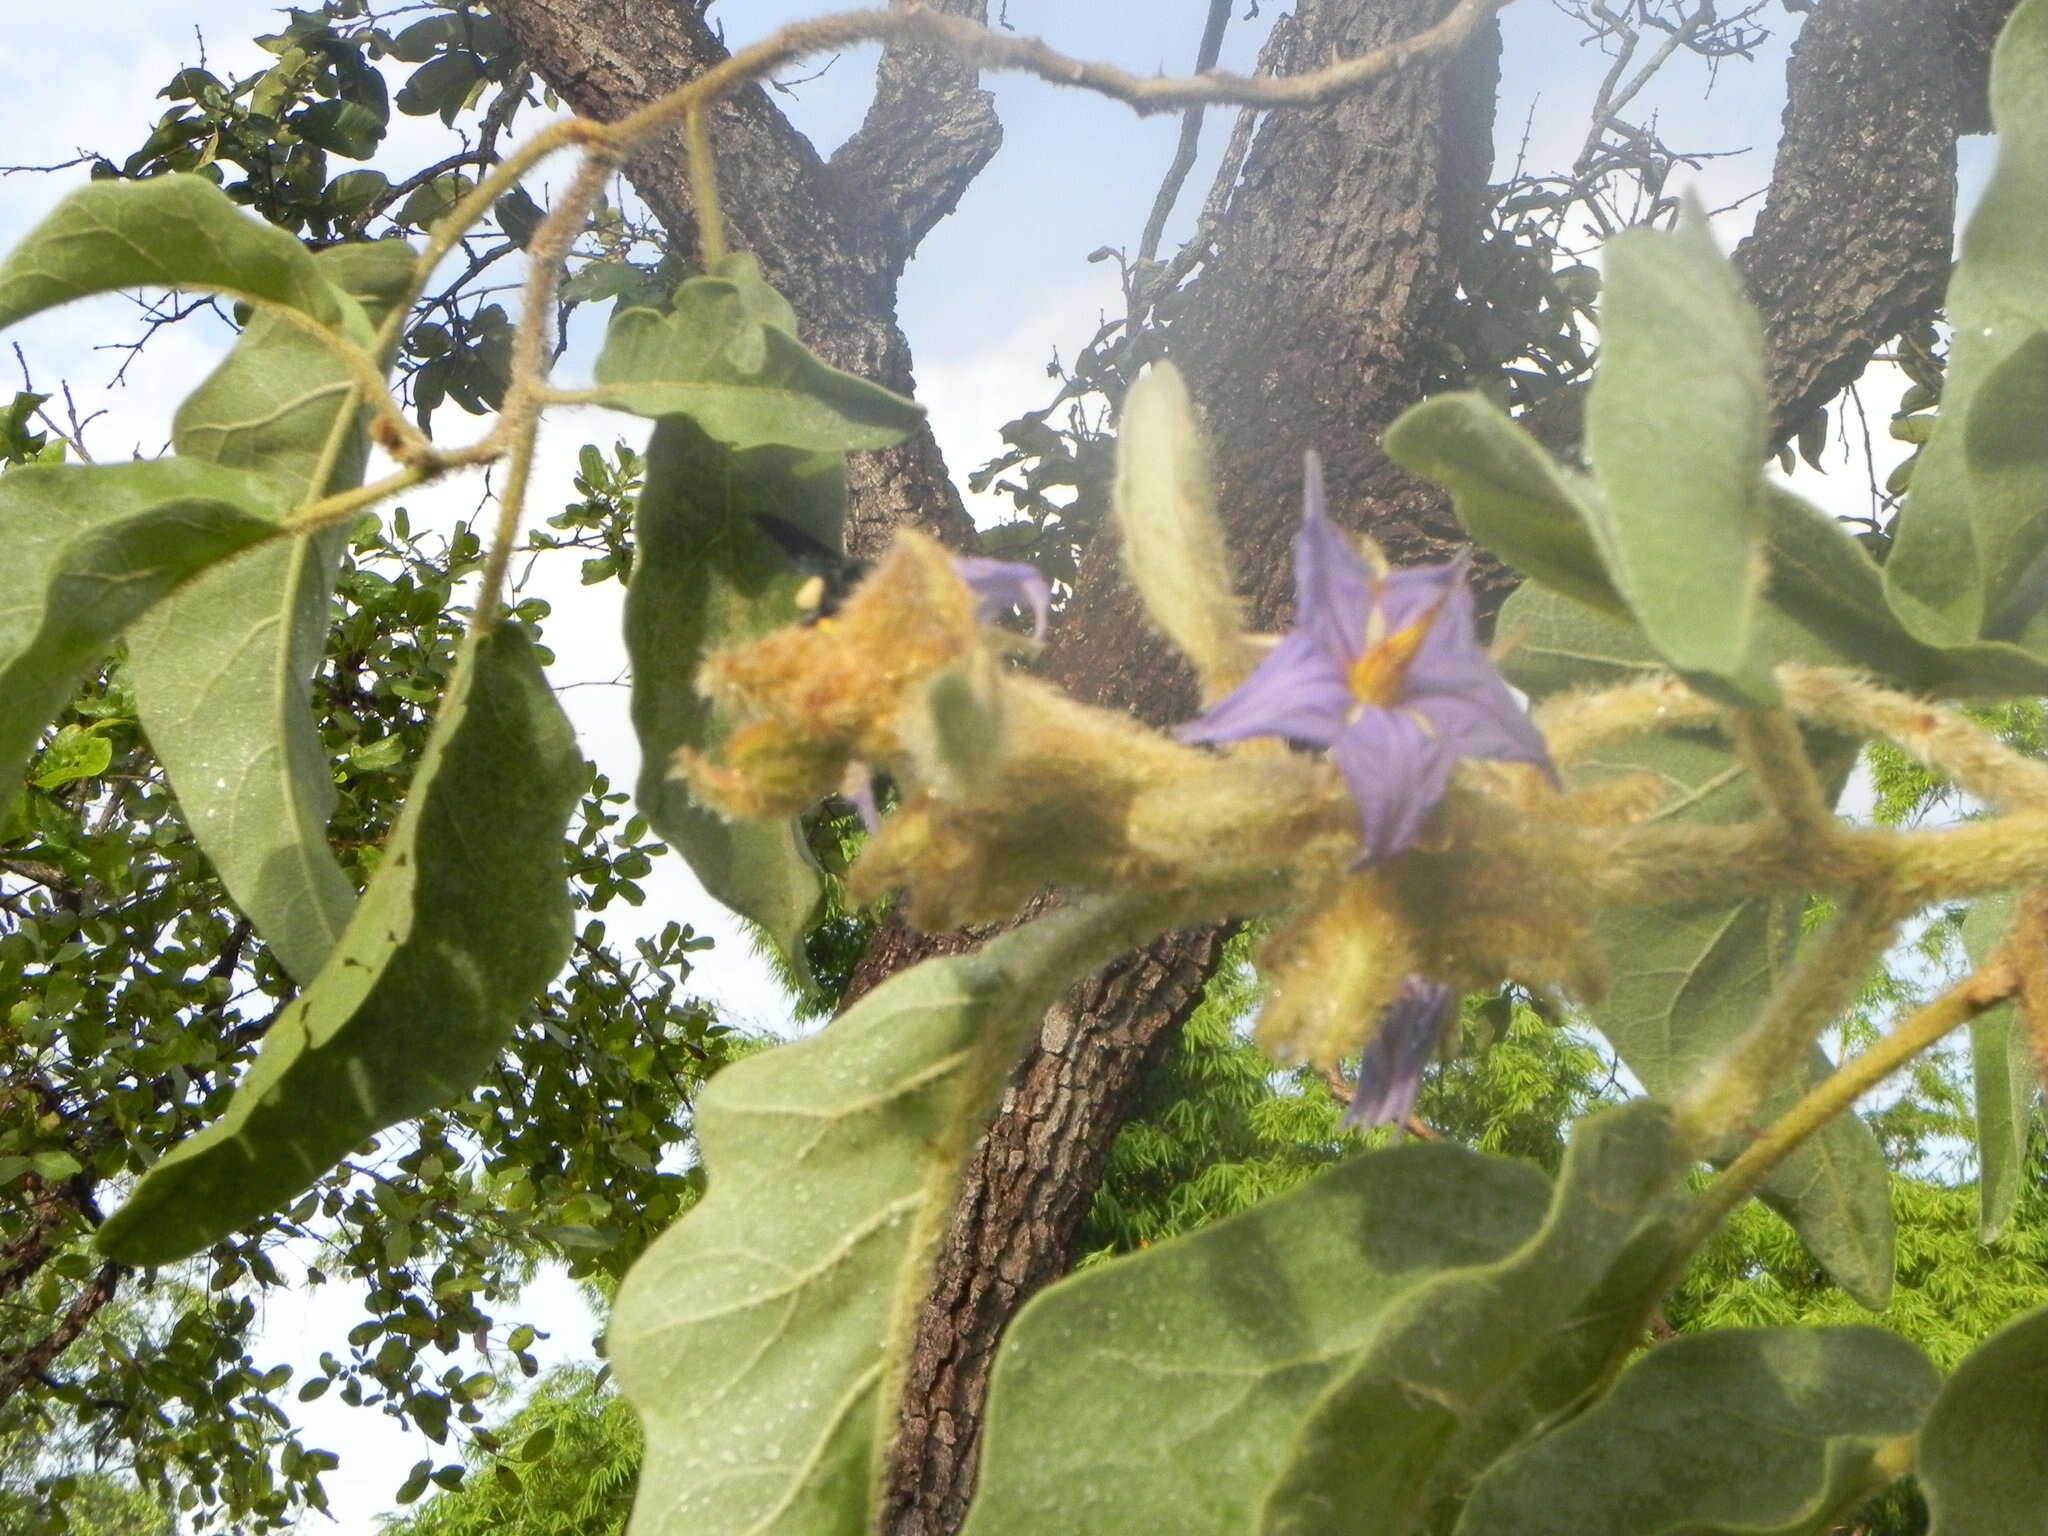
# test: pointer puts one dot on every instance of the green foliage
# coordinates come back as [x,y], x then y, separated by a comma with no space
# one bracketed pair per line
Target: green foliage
[1686,981]
[464,922]
[568,1465]
[705,575]
[136,997]
[1675,428]
[1982,1461]
[1215,1131]
[1679,525]
[1342,1330]
[93,547]
[833,1163]
[1952,1291]
[324,95]
[169,232]
[2006,1076]
[1962,567]
[1220,1343]
[1359,1349]
[222,667]
[1731,1433]
[726,355]
[1511,495]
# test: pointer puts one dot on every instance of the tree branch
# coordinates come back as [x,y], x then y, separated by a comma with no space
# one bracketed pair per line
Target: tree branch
[1190,141]
[29,1363]
[1854,241]
[927,135]
[830,258]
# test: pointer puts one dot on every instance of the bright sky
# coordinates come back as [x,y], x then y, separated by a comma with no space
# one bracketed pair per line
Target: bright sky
[996,288]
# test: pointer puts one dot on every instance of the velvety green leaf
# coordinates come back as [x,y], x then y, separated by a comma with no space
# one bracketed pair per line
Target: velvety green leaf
[704,575]
[753,1336]
[1983,1462]
[2002,1067]
[89,549]
[222,670]
[728,358]
[1552,645]
[176,231]
[1741,1432]
[1379,1433]
[1511,495]
[466,921]
[1686,981]
[1978,512]
[1823,580]
[1175,1380]
[1675,429]
[1827,582]
[1515,499]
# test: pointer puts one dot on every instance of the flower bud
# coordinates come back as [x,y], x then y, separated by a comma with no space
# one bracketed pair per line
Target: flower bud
[1173,547]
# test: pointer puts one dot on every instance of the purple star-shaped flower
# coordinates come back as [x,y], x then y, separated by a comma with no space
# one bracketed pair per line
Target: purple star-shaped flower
[1000,585]
[1390,1073]
[1384,669]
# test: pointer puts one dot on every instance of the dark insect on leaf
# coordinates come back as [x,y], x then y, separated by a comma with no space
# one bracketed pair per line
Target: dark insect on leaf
[833,574]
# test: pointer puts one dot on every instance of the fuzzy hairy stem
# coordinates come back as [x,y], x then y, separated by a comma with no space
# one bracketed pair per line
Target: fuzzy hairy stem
[1826,980]
[1776,758]
[1938,735]
[1835,1094]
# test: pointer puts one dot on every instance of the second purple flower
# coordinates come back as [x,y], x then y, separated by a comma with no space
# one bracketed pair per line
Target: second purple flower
[1383,669]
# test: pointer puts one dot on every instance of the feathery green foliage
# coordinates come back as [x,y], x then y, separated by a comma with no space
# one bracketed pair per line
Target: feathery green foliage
[569,1463]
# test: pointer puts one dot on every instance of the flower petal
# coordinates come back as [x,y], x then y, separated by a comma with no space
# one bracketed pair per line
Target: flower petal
[1390,1073]
[1332,584]
[1001,585]
[1454,684]
[1296,692]
[1397,769]
[1409,594]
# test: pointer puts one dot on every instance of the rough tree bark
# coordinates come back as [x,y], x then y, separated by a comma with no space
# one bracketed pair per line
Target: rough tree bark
[1312,328]
[832,235]
[1876,93]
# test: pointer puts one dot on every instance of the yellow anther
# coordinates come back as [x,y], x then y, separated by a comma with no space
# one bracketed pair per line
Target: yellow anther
[1377,675]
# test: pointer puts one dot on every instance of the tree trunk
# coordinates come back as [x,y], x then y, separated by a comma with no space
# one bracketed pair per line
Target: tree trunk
[832,235]
[1853,245]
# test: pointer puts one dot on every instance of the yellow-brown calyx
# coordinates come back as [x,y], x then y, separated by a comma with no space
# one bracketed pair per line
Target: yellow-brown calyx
[1333,970]
[1053,809]
[809,699]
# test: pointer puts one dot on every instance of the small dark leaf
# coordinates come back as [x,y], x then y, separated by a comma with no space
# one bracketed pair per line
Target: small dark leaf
[518,215]
[347,128]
